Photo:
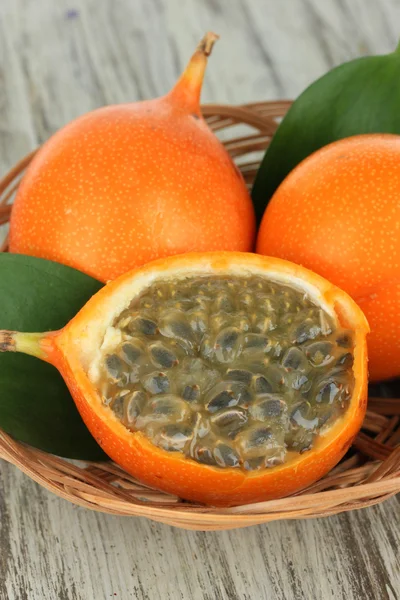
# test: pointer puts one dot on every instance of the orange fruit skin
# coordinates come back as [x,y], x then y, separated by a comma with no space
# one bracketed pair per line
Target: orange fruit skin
[126,184]
[338,213]
[172,471]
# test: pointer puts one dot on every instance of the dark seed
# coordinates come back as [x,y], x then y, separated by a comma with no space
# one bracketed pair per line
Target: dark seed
[156,383]
[170,406]
[114,366]
[162,356]
[261,444]
[227,344]
[175,325]
[204,455]
[301,382]
[117,405]
[344,340]
[330,392]
[224,399]
[320,353]
[135,404]
[294,360]
[173,437]
[258,437]
[182,331]
[230,419]
[226,395]
[145,326]
[302,416]
[308,330]
[345,361]
[239,375]
[131,352]
[267,407]
[191,393]
[225,456]
[227,338]
[261,385]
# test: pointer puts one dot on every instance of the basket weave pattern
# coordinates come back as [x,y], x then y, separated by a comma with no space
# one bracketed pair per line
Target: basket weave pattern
[369,476]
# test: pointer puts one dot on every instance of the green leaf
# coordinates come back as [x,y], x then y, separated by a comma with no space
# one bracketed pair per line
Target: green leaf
[361,96]
[35,404]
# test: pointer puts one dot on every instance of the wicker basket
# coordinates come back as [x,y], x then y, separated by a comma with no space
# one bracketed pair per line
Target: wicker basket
[369,476]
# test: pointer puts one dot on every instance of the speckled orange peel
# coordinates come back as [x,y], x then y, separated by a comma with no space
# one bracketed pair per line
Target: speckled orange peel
[72,351]
[130,183]
[338,213]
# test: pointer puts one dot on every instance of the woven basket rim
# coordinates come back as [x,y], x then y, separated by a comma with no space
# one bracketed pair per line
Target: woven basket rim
[370,476]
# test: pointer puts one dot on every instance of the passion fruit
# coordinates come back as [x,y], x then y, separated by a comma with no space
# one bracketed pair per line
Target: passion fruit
[224,378]
[126,184]
[338,213]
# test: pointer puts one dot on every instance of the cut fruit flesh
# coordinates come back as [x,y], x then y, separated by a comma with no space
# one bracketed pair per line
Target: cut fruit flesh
[131,425]
[223,390]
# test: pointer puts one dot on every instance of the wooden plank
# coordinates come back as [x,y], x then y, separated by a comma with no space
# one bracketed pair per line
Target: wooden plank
[51,549]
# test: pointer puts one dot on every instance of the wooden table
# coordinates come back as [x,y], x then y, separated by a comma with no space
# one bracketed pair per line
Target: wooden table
[61,59]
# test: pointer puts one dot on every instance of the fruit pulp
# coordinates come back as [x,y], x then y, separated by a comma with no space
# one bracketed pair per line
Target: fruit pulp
[236,372]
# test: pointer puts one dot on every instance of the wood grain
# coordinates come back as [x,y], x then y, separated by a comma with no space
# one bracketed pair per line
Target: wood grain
[61,59]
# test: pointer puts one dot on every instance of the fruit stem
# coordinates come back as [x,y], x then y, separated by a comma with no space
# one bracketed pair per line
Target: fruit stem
[33,344]
[187,90]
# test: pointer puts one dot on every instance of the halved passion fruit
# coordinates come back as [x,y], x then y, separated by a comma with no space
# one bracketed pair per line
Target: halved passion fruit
[224,378]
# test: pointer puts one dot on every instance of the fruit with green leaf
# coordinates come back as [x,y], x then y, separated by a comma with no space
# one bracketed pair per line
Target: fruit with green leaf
[128,183]
[360,96]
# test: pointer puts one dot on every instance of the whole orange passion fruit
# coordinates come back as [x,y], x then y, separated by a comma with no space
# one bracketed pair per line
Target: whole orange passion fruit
[338,213]
[130,183]
[224,378]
